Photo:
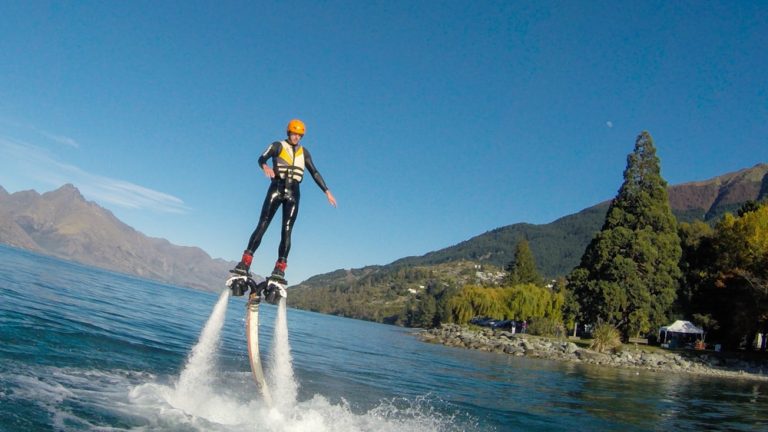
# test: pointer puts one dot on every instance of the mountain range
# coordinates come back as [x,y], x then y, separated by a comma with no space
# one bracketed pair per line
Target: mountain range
[64,224]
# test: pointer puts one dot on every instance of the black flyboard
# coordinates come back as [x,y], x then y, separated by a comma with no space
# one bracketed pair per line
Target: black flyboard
[270,290]
[275,289]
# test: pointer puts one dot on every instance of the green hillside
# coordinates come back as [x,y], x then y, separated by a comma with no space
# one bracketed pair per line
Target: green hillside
[385,293]
[557,246]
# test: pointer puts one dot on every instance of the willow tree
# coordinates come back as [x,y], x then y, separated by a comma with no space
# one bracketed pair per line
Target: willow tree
[629,274]
[518,302]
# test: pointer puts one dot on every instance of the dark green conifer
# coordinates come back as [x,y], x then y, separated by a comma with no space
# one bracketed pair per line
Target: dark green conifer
[523,269]
[629,273]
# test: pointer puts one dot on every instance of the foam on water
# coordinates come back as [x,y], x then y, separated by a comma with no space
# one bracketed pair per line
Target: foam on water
[314,415]
[126,400]
[203,400]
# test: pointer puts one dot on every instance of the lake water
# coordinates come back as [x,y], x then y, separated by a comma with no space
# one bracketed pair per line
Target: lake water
[87,349]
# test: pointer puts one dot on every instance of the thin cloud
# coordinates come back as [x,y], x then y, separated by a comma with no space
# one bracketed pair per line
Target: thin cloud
[57,138]
[609,124]
[134,196]
[27,160]
[60,139]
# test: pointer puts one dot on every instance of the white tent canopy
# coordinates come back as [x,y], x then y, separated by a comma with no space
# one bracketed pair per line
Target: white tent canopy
[680,333]
[682,327]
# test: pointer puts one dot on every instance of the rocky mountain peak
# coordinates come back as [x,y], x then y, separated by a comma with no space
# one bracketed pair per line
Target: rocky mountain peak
[66,192]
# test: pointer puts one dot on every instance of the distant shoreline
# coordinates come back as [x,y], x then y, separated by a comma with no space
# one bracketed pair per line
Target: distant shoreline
[699,363]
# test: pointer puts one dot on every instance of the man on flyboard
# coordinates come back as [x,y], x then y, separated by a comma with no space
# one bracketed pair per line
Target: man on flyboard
[289,162]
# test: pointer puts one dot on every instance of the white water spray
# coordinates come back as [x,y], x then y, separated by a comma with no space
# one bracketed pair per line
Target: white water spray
[198,393]
[283,385]
[199,403]
[196,378]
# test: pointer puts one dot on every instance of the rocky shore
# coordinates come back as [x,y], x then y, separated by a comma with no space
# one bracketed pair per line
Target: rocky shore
[499,341]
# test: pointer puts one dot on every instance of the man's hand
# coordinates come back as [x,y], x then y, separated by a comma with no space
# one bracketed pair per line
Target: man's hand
[268,171]
[330,197]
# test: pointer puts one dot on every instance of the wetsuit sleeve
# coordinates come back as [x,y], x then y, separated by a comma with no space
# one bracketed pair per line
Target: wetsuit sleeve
[313,170]
[271,151]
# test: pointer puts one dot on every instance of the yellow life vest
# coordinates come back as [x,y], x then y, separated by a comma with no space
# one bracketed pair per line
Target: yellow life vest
[289,163]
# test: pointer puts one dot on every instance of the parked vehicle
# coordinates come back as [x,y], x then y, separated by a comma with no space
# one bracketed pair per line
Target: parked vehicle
[504,325]
[483,321]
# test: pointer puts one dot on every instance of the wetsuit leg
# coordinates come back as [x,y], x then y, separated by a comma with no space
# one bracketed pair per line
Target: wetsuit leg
[271,202]
[290,212]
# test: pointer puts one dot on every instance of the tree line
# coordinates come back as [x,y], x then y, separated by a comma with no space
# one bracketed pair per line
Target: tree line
[641,271]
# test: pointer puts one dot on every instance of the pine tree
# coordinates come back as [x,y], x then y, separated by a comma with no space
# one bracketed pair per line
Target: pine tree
[423,314]
[522,270]
[629,273]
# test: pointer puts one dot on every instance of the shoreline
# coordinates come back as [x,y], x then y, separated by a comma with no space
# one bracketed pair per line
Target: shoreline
[704,363]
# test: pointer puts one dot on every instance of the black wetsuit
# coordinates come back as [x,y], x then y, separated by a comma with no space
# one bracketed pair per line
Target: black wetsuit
[284,190]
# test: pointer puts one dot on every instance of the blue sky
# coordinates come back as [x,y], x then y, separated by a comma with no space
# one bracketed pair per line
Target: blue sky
[432,122]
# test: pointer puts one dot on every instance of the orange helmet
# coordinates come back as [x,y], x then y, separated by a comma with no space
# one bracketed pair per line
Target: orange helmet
[296,126]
